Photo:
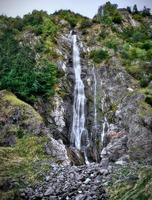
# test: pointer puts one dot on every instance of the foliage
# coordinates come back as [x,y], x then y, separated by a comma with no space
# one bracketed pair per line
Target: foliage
[99,55]
[146,11]
[49,28]
[135,9]
[108,13]
[71,17]
[138,17]
[18,70]
[135,183]
[148,100]
[129,9]
[132,34]
[85,23]
[136,52]
[112,43]
[145,80]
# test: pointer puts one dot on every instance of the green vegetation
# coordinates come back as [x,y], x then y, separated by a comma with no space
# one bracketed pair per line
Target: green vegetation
[109,14]
[132,188]
[137,53]
[72,18]
[20,70]
[85,23]
[99,55]
[25,162]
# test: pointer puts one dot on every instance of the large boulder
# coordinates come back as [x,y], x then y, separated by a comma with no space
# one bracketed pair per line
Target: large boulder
[58,151]
[17,118]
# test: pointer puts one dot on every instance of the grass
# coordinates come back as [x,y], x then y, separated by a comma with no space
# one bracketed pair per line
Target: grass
[25,158]
[25,163]
[139,189]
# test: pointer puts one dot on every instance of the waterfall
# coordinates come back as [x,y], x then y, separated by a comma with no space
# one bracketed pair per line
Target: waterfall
[105,127]
[78,125]
[95,98]
[105,124]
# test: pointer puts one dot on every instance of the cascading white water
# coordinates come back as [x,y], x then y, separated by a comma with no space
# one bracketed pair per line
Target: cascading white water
[105,124]
[95,97]
[78,125]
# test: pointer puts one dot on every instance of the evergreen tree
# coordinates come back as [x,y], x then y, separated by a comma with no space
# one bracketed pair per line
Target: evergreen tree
[146,11]
[135,9]
[129,9]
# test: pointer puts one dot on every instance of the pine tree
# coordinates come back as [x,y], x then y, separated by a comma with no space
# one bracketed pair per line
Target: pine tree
[135,9]
[129,9]
[146,11]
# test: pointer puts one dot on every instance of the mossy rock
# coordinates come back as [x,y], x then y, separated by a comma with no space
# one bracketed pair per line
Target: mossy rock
[17,118]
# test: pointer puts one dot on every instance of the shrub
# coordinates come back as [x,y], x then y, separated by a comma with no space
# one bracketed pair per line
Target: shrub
[49,28]
[149,54]
[85,23]
[112,43]
[99,55]
[145,80]
[146,45]
[138,17]
[132,52]
[148,100]
[136,53]
[135,70]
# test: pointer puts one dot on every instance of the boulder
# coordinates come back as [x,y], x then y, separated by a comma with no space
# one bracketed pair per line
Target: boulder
[58,151]
[17,118]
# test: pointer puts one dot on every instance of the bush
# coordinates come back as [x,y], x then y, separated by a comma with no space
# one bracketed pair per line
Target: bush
[135,70]
[86,23]
[49,28]
[136,53]
[132,52]
[138,17]
[112,44]
[146,45]
[148,100]
[99,55]
[145,80]
[149,54]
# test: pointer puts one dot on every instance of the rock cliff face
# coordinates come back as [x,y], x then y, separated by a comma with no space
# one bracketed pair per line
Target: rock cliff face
[118,99]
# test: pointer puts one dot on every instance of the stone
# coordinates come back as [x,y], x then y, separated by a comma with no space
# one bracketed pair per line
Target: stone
[58,150]
[87,180]
[49,191]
